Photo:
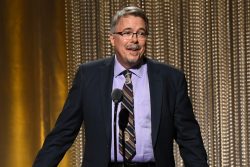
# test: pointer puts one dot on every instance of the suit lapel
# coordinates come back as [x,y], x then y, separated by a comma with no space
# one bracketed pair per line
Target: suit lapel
[155,87]
[106,80]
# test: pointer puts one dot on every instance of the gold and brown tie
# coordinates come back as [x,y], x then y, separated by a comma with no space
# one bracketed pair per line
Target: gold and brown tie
[129,132]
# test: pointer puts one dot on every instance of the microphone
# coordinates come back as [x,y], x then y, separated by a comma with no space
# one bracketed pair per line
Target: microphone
[123,121]
[116,96]
[123,118]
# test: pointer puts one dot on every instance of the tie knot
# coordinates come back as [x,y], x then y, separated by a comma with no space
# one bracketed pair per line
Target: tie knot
[127,74]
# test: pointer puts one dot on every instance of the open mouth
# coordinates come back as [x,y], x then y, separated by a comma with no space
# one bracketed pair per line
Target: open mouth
[133,47]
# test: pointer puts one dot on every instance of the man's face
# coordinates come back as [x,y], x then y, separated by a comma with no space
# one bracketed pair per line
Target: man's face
[129,51]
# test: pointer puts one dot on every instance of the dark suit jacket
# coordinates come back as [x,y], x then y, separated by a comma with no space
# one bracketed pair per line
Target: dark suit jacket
[89,102]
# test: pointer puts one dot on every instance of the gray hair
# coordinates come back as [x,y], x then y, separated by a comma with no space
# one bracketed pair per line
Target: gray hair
[130,10]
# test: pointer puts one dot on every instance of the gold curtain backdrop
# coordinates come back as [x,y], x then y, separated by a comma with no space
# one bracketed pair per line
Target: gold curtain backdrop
[33,76]
[208,40]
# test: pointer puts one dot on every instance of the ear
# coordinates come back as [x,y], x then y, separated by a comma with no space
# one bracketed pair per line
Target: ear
[112,39]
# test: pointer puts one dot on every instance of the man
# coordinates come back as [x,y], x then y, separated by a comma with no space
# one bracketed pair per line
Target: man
[158,104]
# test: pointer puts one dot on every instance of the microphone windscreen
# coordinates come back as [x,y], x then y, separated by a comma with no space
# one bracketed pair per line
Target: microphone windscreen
[123,118]
[117,95]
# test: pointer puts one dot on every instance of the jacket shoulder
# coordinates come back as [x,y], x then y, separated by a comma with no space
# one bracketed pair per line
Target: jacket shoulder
[165,69]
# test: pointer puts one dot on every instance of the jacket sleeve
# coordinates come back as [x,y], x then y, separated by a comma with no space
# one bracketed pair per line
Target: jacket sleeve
[188,135]
[66,128]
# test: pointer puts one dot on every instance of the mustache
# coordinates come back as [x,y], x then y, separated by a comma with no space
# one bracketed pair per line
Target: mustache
[133,47]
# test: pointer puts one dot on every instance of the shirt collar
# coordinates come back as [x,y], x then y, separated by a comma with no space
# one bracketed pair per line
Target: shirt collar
[118,69]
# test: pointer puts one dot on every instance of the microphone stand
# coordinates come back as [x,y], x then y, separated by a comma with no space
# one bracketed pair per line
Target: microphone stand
[116,95]
[115,134]
[123,121]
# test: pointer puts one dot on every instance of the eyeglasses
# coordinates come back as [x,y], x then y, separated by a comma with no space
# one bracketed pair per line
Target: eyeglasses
[129,34]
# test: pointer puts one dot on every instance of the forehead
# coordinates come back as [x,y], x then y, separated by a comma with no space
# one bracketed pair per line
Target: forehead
[130,22]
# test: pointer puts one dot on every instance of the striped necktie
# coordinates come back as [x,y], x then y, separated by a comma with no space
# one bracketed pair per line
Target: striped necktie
[129,132]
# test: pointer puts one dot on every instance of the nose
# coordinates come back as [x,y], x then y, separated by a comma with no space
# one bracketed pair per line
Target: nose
[134,37]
